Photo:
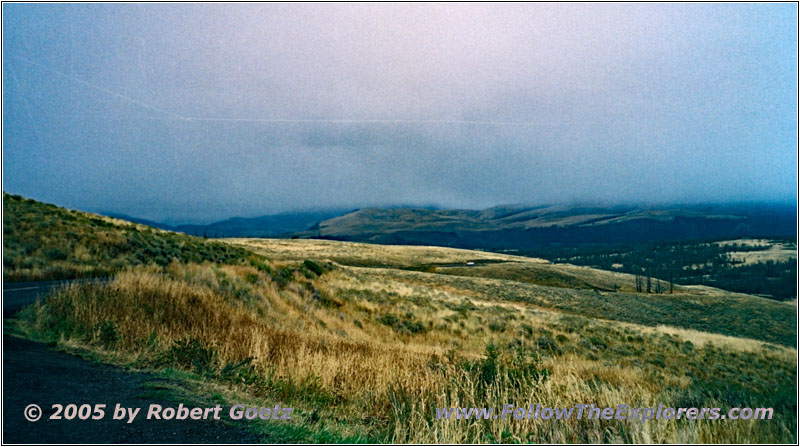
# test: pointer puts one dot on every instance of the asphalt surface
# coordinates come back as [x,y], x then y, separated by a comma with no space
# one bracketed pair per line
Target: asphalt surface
[20,294]
[33,373]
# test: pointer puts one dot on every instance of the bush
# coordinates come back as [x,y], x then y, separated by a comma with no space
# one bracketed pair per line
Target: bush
[521,369]
[323,298]
[283,276]
[107,334]
[414,326]
[251,278]
[488,367]
[313,267]
[497,326]
[403,326]
[388,319]
[55,253]
[261,266]
[191,354]
[547,344]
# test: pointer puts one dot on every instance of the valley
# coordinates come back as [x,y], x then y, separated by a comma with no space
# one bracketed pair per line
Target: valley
[365,340]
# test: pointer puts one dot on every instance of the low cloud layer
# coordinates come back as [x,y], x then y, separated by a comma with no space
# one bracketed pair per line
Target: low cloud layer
[200,112]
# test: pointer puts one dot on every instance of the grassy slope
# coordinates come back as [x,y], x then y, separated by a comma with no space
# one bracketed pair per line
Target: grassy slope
[524,228]
[380,220]
[444,261]
[42,242]
[367,353]
[559,287]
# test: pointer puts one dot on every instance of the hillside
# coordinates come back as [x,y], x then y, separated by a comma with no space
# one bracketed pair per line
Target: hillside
[576,290]
[365,341]
[43,242]
[524,228]
[273,225]
[763,267]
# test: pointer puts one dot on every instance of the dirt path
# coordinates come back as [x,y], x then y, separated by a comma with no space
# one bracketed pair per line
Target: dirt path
[34,373]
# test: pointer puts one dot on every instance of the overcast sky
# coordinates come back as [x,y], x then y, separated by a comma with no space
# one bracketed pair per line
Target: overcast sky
[200,112]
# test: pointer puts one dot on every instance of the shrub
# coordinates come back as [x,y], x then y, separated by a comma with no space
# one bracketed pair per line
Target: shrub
[547,344]
[191,354]
[55,253]
[388,319]
[283,276]
[488,367]
[261,266]
[313,267]
[234,372]
[403,326]
[414,326]
[520,369]
[597,342]
[658,360]
[107,333]
[250,277]
[323,298]
[497,326]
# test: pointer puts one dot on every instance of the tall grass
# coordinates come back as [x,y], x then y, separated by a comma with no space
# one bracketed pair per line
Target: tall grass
[318,337]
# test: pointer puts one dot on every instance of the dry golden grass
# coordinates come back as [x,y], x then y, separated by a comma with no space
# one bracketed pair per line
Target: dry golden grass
[324,344]
[371,339]
[452,261]
[700,339]
[387,255]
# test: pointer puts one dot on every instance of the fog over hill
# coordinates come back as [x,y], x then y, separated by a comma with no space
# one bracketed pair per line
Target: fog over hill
[196,113]
[275,225]
[382,214]
[510,226]
[518,227]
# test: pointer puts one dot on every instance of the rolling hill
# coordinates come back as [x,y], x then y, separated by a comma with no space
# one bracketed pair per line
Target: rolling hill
[366,341]
[525,228]
[272,225]
[46,242]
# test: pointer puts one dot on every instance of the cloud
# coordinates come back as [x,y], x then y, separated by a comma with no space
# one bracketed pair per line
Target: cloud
[205,111]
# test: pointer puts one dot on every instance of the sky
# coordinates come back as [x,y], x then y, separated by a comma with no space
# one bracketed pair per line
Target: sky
[200,112]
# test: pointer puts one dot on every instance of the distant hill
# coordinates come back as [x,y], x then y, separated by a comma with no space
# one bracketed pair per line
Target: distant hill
[373,336]
[275,225]
[149,223]
[523,228]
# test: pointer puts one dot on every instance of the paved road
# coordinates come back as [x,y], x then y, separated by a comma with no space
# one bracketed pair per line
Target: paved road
[33,373]
[17,295]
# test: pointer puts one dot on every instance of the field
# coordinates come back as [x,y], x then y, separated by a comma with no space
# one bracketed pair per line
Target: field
[365,341]
[761,250]
[758,266]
